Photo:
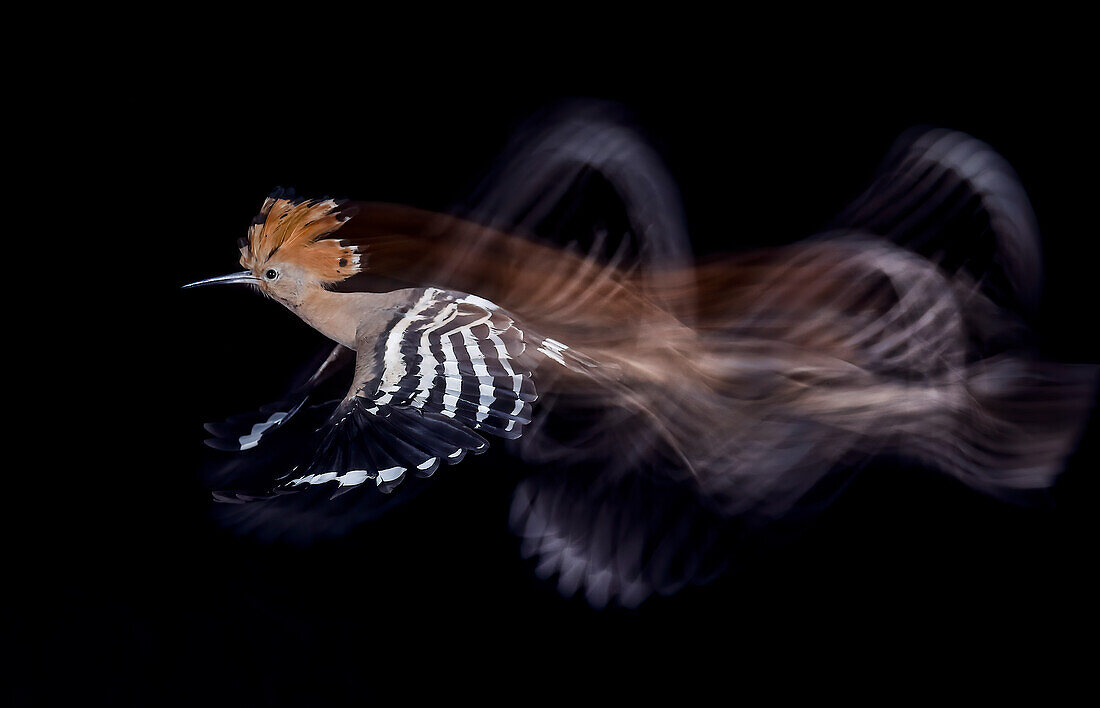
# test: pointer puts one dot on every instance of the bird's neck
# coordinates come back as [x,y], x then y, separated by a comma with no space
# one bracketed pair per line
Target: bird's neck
[339,316]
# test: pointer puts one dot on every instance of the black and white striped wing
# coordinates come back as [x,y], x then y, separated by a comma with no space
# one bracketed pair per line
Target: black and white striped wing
[447,370]
[245,431]
[461,357]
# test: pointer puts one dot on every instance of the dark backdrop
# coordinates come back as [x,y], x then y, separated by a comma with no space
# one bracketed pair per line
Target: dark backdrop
[133,588]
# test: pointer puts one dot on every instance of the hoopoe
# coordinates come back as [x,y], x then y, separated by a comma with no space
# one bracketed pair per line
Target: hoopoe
[743,381]
[435,369]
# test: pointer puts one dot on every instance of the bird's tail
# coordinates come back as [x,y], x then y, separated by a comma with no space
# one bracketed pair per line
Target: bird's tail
[1018,421]
[852,347]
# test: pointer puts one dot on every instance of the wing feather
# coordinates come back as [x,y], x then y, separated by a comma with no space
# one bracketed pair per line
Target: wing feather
[446,371]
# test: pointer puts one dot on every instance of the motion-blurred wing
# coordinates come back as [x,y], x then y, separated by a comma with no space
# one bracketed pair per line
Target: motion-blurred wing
[617,539]
[952,198]
[583,176]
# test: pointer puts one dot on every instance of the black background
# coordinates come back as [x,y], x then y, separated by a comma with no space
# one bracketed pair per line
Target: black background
[132,588]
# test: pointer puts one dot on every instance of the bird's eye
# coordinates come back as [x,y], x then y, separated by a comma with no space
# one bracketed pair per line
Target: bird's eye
[271,274]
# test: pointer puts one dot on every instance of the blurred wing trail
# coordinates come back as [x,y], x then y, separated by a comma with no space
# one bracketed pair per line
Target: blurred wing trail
[952,198]
[892,333]
[582,176]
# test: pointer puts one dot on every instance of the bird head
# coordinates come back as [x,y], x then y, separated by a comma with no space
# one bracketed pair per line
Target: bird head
[292,248]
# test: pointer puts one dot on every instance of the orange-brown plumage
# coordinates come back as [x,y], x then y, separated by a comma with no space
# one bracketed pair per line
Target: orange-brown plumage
[300,232]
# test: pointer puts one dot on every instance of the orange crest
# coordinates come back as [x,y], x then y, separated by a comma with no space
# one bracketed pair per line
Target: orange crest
[300,231]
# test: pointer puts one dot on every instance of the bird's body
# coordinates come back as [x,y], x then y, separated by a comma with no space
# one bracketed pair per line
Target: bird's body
[742,381]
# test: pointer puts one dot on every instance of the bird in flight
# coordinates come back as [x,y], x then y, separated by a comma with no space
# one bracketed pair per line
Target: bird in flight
[658,396]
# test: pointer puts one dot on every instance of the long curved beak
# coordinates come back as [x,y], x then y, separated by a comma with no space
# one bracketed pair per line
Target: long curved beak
[243,277]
